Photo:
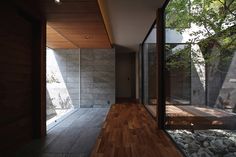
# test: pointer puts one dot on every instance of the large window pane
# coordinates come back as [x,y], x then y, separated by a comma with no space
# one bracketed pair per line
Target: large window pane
[60,90]
[149,72]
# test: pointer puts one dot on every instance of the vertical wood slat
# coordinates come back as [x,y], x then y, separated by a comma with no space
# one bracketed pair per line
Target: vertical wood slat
[23,45]
[43,79]
[15,99]
[39,74]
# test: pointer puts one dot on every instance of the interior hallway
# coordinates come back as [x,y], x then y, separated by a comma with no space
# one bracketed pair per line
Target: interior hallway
[130,131]
[73,137]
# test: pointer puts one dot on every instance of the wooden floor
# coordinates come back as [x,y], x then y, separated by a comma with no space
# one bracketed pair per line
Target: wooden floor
[129,131]
[73,137]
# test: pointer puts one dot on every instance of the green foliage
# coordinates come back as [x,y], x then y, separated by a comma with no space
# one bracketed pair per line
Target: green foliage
[177,14]
[179,60]
[64,103]
[51,78]
[214,15]
[217,18]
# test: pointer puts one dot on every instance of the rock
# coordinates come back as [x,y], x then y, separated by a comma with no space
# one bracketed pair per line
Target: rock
[210,138]
[218,144]
[213,149]
[232,149]
[180,144]
[201,138]
[205,144]
[186,146]
[230,155]
[209,152]
[202,153]
[188,140]
[194,155]
[193,147]
[228,142]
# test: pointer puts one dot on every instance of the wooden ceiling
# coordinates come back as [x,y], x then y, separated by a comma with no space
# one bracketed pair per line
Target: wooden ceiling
[75,24]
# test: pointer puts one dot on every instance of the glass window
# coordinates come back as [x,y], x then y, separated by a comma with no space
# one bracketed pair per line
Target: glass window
[200,73]
[149,72]
[59,100]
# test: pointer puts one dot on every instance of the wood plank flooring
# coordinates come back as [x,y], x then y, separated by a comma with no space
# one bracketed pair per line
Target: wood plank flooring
[129,131]
[73,137]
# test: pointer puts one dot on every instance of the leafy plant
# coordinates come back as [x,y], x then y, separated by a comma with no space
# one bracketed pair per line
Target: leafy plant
[216,20]
[51,78]
[64,103]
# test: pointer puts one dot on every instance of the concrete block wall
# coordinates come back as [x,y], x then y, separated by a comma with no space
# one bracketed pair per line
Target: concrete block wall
[198,96]
[68,61]
[89,76]
[97,77]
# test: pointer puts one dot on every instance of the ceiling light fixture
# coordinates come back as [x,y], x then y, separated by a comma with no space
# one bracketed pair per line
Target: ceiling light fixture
[58,1]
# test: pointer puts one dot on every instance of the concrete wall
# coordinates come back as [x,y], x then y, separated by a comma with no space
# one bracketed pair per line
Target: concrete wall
[85,77]
[228,89]
[97,77]
[198,96]
[63,80]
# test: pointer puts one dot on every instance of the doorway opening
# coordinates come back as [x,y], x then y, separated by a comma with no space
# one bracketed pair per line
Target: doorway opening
[125,77]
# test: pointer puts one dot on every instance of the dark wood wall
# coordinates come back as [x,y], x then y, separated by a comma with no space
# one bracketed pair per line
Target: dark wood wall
[21,71]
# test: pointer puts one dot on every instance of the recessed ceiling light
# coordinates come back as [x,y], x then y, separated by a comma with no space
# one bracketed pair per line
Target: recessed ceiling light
[58,1]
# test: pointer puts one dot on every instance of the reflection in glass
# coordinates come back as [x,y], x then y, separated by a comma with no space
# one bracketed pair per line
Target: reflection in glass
[149,72]
[178,68]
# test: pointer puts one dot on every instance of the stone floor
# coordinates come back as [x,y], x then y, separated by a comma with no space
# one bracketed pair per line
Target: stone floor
[73,137]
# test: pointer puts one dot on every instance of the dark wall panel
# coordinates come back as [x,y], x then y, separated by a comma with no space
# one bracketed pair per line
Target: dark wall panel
[17,78]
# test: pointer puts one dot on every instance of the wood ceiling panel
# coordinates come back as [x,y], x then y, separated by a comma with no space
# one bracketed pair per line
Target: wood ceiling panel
[82,30]
[97,26]
[60,45]
[76,23]
[75,18]
[56,40]
[88,38]
[94,45]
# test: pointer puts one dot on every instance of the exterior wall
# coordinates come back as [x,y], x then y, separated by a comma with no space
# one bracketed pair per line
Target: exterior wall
[69,64]
[228,90]
[198,95]
[97,77]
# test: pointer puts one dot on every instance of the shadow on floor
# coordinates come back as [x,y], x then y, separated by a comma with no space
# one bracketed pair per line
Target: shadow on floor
[73,137]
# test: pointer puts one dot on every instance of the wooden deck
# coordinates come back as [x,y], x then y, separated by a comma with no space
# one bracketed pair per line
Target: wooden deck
[129,131]
[182,116]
